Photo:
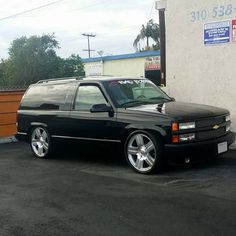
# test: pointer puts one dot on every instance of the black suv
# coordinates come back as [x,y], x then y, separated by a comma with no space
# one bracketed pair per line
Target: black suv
[131,112]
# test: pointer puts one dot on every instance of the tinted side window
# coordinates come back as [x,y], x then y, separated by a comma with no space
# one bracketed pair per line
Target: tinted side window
[45,97]
[87,96]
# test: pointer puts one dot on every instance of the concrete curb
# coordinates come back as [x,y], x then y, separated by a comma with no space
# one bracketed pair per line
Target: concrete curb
[10,139]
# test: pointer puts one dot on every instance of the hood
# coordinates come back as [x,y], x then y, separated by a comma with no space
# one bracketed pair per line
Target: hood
[181,110]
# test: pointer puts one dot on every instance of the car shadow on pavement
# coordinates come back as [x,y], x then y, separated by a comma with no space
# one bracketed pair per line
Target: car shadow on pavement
[112,156]
[97,154]
[225,161]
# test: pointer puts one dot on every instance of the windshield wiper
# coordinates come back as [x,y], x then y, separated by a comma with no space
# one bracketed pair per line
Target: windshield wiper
[160,98]
[135,102]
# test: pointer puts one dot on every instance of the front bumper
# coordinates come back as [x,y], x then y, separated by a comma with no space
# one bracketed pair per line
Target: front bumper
[196,151]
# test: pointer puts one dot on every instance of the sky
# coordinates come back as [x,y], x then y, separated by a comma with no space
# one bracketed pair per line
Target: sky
[116,23]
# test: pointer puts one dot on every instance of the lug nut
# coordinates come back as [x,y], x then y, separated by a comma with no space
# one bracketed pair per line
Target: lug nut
[187,160]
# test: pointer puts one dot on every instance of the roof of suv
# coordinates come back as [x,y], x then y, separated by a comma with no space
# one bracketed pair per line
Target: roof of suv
[91,78]
[110,78]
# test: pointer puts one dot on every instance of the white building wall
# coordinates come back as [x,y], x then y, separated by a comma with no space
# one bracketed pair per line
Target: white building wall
[125,67]
[195,72]
[93,68]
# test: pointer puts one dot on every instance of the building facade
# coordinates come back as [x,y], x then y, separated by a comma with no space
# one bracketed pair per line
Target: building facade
[201,52]
[139,64]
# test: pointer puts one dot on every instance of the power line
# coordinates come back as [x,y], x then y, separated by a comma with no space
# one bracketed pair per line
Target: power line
[88,36]
[131,29]
[30,10]
[91,5]
[153,4]
[96,3]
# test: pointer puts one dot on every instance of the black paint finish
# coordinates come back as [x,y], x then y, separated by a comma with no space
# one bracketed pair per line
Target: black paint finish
[63,122]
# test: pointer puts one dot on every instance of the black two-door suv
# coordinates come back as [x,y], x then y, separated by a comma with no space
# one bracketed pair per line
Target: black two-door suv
[132,112]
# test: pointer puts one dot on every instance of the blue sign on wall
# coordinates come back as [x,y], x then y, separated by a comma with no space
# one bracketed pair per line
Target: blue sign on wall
[217,32]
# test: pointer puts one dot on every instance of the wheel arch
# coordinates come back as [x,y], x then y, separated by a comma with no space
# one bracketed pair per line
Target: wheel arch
[155,130]
[34,125]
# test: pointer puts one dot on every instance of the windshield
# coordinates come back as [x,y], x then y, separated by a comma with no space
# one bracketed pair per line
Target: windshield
[131,92]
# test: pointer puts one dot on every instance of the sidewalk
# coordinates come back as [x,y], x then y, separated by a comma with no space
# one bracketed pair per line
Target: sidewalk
[10,139]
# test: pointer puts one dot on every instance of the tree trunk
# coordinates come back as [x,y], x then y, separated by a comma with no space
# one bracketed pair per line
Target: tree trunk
[148,43]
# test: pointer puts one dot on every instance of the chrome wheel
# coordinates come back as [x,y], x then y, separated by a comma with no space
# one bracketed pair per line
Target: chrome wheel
[141,152]
[40,142]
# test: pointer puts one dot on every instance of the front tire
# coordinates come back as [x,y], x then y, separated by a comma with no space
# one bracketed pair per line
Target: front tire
[40,142]
[143,152]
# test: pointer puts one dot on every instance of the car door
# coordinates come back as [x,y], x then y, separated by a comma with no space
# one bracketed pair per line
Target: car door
[87,125]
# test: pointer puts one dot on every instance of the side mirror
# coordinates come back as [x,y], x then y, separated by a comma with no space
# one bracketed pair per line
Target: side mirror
[172,99]
[101,108]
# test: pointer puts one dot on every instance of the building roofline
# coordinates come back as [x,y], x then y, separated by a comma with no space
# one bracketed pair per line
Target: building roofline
[123,56]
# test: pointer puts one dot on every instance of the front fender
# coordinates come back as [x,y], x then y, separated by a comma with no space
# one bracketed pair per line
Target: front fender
[153,128]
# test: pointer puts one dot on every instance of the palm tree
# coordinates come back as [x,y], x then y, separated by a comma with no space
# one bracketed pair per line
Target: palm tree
[151,30]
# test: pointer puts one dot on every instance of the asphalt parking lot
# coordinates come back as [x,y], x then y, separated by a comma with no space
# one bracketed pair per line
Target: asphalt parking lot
[91,195]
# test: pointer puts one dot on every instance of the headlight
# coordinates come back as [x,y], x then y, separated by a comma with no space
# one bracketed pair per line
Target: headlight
[187,125]
[186,137]
[228,128]
[227,118]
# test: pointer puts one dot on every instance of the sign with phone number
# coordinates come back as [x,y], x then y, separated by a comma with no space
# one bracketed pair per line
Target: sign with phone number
[219,32]
[214,13]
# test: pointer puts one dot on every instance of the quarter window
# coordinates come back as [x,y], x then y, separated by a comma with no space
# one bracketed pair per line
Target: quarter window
[46,97]
[87,96]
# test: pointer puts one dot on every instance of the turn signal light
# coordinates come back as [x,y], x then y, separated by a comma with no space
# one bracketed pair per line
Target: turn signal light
[175,126]
[175,138]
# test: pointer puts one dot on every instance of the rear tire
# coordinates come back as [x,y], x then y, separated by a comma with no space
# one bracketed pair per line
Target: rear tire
[143,152]
[40,142]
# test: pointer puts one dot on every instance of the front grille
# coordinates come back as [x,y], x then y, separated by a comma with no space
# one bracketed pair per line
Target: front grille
[210,134]
[210,122]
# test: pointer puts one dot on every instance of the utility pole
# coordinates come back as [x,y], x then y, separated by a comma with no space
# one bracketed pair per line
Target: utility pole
[88,36]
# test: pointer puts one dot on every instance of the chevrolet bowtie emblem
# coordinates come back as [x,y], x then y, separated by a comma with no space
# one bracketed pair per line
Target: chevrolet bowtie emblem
[216,127]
